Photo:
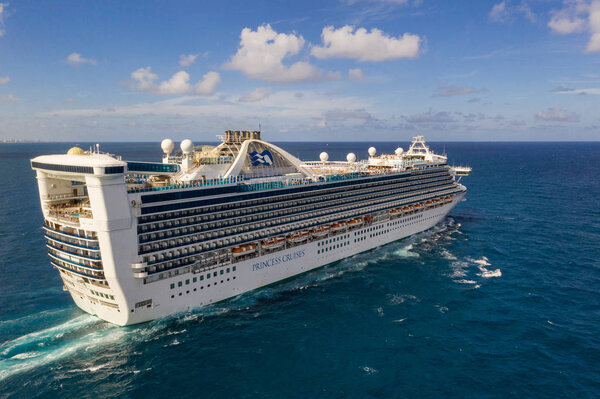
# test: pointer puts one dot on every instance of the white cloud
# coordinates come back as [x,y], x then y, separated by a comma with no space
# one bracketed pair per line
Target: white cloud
[185,60]
[255,95]
[208,85]
[594,22]
[77,59]
[556,114]
[505,11]
[365,46]
[2,18]
[430,118]
[566,25]
[9,99]
[4,80]
[591,90]
[261,54]
[452,90]
[499,12]
[577,16]
[178,84]
[143,79]
[283,106]
[333,76]
[355,74]
[569,19]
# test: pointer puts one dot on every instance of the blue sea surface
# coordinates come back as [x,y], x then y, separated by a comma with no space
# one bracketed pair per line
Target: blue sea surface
[500,300]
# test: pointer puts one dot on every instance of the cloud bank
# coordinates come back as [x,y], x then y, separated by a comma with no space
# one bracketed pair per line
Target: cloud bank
[362,45]
[143,79]
[262,52]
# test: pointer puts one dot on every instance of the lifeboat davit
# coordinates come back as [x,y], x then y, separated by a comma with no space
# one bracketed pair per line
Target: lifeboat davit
[321,231]
[299,236]
[244,249]
[275,242]
[338,226]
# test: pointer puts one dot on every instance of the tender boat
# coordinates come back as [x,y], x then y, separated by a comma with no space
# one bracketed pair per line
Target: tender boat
[244,250]
[321,231]
[298,236]
[338,226]
[272,243]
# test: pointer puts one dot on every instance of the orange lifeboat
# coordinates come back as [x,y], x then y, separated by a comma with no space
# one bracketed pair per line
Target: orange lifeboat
[448,198]
[419,205]
[407,208]
[244,249]
[274,242]
[429,203]
[396,211]
[437,200]
[338,226]
[368,218]
[355,222]
[298,236]
[321,231]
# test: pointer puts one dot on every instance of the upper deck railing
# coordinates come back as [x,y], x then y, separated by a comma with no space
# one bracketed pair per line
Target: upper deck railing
[246,185]
[196,184]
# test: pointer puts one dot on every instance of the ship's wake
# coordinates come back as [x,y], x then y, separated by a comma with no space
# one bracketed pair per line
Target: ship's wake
[88,335]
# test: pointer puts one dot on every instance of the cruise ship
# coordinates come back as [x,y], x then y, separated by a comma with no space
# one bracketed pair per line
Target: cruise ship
[136,241]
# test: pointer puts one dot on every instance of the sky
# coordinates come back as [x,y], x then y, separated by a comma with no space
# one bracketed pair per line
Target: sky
[328,70]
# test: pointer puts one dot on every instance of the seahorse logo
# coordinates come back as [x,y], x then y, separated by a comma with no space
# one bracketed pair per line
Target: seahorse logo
[262,158]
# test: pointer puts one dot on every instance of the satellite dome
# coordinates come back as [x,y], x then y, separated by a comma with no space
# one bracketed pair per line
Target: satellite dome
[167,146]
[351,157]
[324,157]
[187,146]
[399,151]
[372,151]
[75,151]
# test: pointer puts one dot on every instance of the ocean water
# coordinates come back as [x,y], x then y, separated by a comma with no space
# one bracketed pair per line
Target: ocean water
[501,299]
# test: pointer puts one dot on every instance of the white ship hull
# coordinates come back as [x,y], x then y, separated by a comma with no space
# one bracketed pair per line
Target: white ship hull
[252,273]
[135,241]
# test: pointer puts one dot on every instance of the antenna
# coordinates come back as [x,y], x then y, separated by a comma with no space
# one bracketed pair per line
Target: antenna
[259,129]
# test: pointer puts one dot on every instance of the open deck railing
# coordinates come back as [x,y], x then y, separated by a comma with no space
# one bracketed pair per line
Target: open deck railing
[245,184]
[206,183]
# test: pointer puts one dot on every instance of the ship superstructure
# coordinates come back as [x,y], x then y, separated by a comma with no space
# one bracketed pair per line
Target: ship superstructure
[135,241]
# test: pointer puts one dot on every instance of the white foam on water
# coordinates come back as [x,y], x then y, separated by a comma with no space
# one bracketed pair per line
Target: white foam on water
[405,252]
[34,316]
[380,312]
[39,337]
[482,264]
[465,281]
[447,255]
[399,320]
[491,273]
[26,355]
[93,340]
[397,299]
[459,269]
[369,370]
[176,332]
[91,368]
